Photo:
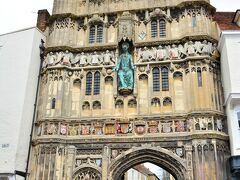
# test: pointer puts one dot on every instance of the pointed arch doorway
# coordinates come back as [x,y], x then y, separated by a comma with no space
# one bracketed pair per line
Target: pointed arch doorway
[158,156]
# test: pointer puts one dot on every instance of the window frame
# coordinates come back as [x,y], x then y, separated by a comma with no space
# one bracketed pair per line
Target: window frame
[89,82]
[97,83]
[165,78]
[156,79]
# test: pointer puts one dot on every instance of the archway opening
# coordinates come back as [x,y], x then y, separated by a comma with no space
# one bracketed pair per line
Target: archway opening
[158,156]
[147,171]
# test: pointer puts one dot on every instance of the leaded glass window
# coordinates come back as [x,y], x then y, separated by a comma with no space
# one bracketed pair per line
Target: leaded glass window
[96,83]
[165,80]
[154,29]
[156,79]
[99,34]
[92,34]
[89,83]
[162,28]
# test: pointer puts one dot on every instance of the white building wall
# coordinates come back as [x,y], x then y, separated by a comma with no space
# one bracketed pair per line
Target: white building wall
[229,47]
[20,61]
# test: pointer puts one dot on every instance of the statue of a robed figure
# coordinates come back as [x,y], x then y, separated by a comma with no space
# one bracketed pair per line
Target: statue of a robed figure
[125,71]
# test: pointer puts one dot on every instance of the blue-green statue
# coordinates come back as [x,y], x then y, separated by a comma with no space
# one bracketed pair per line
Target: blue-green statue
[125,71]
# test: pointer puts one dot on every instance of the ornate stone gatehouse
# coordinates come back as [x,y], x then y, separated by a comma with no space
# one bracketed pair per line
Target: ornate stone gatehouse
[125,82]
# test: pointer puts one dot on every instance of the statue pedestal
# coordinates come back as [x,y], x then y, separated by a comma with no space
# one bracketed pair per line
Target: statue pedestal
[125,92]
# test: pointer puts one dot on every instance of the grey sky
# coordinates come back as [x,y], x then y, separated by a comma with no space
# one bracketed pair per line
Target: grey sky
[18,14]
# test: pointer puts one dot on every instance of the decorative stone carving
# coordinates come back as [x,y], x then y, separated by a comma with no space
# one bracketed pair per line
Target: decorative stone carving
[180,126]
[161,53]
[153,127]
[67,57]
[51,129]
[95,59]
[166,127]
[140,127]
[125,71]
[190,49]
[125,27]
[108,58]
[173,52]
[145,55]
[51,59]
[63,129]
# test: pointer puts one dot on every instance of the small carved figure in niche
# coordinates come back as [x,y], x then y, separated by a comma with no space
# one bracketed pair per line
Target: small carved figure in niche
[174,54]
[95,59]
[51,59]
[125,70]
[59,57]
[75,60]
[161,53]
[203,122]
[198,47]
[83,59]
[67,57]
[205,48]
[215,52]
[219,125]
[108,58]
[182,51]
[190,49]
[145,55]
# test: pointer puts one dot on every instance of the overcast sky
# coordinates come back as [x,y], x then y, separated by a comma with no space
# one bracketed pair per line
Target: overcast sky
[18,14]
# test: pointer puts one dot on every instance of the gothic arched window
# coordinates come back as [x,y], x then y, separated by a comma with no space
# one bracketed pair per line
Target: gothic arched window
[154,28]
[89,83]
[96,105]
[99,33]
[155,102]
[167,101]
[156,79]
[96,34]
[199,76]
[158,28]
[53,103]
[86,105]
[92,34]
[96,90]
[162,28]
[194,20]
[165,80]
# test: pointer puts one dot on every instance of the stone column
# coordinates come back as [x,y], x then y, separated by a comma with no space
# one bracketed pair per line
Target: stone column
[188,150]
[105,160]
[71,152]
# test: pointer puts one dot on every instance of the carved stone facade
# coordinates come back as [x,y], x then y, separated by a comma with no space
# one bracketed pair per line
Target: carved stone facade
[174,117]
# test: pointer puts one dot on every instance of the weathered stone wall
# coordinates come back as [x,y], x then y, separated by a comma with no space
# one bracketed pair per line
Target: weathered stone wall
[181,126]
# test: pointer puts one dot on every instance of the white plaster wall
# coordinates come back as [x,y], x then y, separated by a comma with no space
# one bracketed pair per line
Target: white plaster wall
[234,130]
[19,59]
[229,47]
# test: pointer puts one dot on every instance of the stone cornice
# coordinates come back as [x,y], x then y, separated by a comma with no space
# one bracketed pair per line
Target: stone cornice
[131,139]
[195,3]
[136,44]
[147,117]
